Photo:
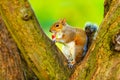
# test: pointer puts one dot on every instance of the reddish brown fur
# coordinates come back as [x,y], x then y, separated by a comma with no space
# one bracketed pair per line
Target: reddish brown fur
[71,34]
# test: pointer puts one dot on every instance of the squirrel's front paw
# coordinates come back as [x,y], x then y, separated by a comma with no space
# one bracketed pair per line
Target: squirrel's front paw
[53,40]
[71,64]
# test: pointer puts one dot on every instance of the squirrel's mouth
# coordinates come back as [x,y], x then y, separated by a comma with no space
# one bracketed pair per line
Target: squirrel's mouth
[53,31]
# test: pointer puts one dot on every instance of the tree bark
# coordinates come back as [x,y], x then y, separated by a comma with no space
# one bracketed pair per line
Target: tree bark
[41,55]
[10,63]
[107,4]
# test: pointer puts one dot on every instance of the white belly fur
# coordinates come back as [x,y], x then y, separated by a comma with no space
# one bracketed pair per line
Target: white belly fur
[69,50]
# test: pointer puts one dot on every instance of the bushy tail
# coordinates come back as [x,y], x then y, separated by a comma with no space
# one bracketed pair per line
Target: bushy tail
[90,30]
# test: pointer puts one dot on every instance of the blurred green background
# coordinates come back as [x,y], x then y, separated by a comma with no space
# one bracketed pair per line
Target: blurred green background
[76,12]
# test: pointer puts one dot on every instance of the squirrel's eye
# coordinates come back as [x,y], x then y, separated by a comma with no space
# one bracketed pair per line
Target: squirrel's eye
[57,25]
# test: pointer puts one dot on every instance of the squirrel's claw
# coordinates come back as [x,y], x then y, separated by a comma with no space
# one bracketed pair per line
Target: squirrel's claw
[70,65]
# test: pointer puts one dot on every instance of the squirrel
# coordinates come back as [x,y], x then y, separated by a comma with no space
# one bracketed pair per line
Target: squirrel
[75,41]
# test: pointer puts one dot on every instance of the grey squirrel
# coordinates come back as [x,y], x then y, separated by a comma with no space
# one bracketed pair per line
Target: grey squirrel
[75,41]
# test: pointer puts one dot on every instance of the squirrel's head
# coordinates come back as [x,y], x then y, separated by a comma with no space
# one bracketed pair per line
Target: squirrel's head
[58,26]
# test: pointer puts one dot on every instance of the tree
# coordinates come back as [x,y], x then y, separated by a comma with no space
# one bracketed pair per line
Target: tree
[45,59]
[12,66]
[10,63]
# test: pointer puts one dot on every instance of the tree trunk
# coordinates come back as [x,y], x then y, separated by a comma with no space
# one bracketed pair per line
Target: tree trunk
[12,66]
[10,63]
[42,56]
[102,61]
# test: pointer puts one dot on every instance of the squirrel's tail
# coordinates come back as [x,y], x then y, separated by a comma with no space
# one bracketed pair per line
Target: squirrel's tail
[90,30]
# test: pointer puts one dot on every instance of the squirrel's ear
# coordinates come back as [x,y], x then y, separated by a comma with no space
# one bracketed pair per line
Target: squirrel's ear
[63,21]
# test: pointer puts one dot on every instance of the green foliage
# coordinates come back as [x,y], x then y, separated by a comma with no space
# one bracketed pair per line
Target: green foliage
[76,12]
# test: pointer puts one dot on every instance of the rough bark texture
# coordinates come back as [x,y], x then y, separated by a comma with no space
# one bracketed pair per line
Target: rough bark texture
[42,56]
[10,63]
[102,62]
[107,4]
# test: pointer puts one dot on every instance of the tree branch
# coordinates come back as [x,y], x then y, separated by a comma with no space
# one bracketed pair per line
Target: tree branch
[43,57]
